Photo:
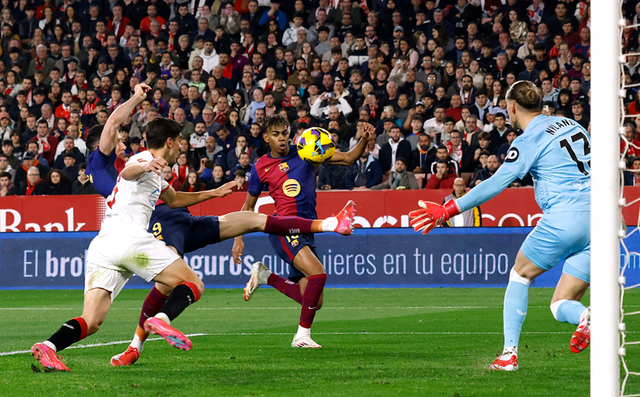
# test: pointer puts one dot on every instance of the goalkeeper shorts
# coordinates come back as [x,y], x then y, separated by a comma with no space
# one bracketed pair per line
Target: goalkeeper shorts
[562,237]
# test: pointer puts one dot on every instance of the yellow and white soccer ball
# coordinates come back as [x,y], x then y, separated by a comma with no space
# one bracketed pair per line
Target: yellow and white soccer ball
[315,145]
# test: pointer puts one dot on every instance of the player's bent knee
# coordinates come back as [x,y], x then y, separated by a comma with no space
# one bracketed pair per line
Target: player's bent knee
[197,287]
[93,325]
[554,307]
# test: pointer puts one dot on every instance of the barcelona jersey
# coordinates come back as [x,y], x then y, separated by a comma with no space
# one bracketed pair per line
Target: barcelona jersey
[291,182]
[102,171]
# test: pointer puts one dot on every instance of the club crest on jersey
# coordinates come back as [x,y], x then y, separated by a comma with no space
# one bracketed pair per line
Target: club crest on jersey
[284,167]
[291,188]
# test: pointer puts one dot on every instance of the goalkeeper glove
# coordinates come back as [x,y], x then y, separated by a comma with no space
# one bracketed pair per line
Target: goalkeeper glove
[432,215]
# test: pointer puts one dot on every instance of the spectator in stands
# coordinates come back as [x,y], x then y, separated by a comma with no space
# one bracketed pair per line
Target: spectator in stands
[441,178]
[32,185]
[399,179]
[469,218]
[365,173]
[332,176]
[244,164]
[7,188]
[82,184]
[487,172]
[423,155]
[394,148]
[511,136]
[192,183]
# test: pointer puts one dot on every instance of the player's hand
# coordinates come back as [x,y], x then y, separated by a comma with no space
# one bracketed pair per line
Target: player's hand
[431,215]
[225,189]
[236,251]
[370,131]
[156,165]
[141,90]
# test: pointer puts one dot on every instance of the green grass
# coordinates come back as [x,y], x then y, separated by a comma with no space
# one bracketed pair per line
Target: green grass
[377,342]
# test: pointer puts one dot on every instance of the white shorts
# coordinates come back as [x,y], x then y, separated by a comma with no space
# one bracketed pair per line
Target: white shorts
[114,257]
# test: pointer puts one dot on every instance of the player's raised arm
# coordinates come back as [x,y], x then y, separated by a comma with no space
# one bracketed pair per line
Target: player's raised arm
[350,157]
[175,199]
[109,137]
[523,105]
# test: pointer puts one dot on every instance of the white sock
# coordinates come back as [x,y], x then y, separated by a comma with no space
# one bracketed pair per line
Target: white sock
[330,224]
[163,317]
[263,276]
[302,331]
[51,345]
[137,343]
[510,350]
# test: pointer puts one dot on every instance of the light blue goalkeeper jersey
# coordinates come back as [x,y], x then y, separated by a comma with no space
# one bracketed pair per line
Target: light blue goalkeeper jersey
[557,152]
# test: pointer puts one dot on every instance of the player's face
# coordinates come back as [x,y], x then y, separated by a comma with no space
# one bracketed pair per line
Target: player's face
[174,150]
[278,139]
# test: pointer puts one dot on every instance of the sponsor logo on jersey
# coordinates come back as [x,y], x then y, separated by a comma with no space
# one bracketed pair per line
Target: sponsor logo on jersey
[284,167]
[267,169]
[512,155]
[153,199]
[291,188]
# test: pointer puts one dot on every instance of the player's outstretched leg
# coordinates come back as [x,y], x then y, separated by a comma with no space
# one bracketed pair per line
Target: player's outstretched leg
[187,289]
[96,306]
[152,305]
[238,223]
[515,310]
[261,275]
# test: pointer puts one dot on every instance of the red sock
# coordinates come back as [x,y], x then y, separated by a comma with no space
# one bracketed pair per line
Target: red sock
[152,305]
[287,287]
[315,286]
[288,225]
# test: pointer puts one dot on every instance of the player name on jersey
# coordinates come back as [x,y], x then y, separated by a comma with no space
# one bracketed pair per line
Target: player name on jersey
[553,128]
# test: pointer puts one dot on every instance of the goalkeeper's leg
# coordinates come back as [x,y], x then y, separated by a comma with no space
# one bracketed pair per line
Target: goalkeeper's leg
[515,310]
[566,307]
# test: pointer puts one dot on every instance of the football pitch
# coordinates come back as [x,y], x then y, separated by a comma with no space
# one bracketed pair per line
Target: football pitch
[376,342]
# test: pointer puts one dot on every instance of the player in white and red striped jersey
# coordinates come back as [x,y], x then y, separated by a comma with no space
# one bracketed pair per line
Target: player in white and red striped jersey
[124,247]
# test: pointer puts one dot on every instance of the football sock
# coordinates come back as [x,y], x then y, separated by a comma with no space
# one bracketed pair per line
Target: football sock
[180,298]
[71,332]
[151,306]
[287,287]
[568,311]
[287,225]
[515,308]
[312,293]
[292,225]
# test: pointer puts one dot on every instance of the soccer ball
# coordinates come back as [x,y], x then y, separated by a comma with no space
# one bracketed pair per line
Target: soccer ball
[315,145]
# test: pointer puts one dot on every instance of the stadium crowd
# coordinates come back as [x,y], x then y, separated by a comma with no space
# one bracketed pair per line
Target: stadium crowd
[430,75]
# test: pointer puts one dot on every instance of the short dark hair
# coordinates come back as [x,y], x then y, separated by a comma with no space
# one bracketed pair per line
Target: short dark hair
[161,129]
[275,120]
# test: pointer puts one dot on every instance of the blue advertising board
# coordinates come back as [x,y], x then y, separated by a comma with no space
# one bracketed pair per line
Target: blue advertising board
[389,258]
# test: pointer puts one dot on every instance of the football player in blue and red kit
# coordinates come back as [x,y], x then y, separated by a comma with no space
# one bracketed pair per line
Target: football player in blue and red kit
[292,186]
[181,231]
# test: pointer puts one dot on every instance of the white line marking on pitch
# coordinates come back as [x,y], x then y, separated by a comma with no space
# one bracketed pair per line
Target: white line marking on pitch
[119,342]
[122,342]
[287,308]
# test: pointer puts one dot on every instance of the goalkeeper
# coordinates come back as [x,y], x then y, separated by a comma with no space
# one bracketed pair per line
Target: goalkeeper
[556,151]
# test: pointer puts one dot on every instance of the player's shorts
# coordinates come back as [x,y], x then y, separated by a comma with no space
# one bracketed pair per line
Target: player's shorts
[113,257]
[287,247]
[562,236]
[183,231]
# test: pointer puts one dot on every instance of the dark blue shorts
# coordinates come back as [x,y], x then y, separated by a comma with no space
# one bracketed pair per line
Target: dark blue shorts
[287,247]
[183,231]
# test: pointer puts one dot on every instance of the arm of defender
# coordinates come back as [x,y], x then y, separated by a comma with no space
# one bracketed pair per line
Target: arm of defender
[135,170]
[354,154]
[175,199]
[238,245]
[109,137]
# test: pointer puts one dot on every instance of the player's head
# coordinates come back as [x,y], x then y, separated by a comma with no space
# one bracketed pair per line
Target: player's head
[163,133]
[276,133]
[522,99]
